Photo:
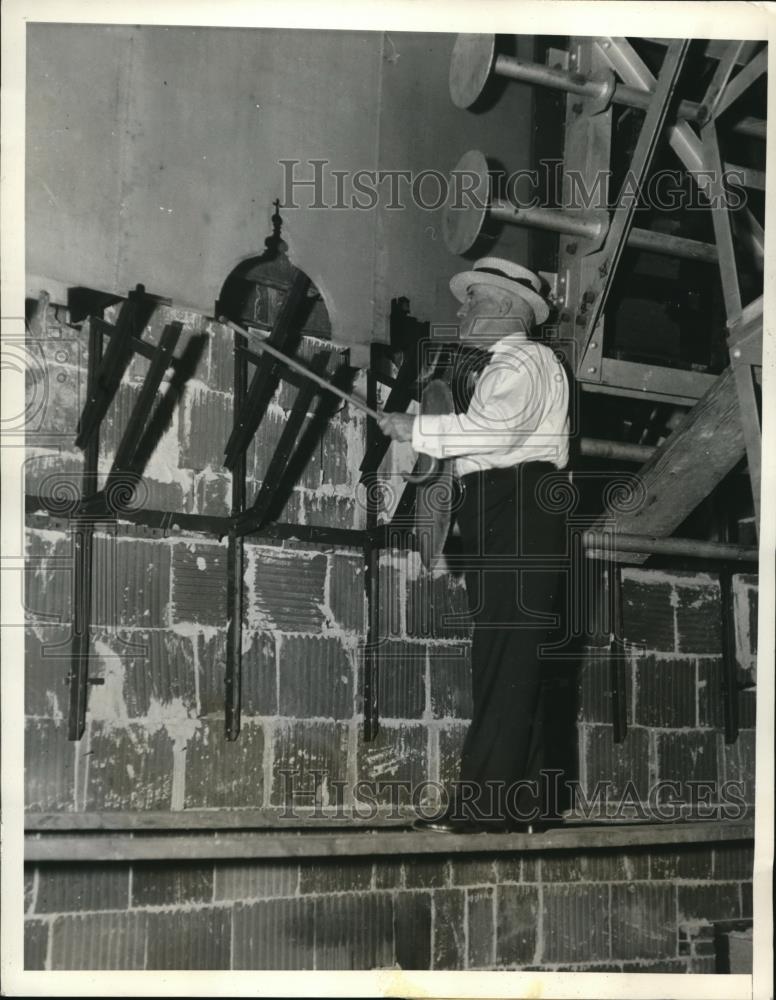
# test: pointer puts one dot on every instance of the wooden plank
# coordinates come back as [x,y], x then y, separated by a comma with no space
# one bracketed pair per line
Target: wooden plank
[370,843]
[686,467]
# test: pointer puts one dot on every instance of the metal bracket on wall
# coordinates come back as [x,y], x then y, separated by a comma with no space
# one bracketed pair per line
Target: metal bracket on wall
[730,685]
[371,554]
[133,317]
[235,562]
[276,477]
[617,654]
[104,374]
[127,463]
[410,336]
[82,566]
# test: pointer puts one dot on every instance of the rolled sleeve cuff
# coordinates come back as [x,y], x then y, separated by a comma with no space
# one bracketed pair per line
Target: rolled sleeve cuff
[426,444]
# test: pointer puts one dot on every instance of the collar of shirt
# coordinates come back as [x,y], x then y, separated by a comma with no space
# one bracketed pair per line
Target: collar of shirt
[508,342]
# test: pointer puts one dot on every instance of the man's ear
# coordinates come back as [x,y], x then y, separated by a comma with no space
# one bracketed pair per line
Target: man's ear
[507,304]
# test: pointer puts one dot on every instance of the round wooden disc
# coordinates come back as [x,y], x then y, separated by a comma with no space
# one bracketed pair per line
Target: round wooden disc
[470,66]
[467,202]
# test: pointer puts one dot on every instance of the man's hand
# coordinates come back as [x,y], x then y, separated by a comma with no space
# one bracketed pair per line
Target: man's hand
[397,425]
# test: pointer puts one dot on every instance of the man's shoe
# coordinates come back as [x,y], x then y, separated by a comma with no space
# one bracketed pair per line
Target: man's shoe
[447,824]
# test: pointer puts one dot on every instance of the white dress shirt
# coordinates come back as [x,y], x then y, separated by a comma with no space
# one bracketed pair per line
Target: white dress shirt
[518,413]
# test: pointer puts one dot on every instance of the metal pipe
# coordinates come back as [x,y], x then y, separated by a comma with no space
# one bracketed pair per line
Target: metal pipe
[548,76]
[297,366]
[674,246]
[560,221]
[633,98]
[595,540]
[619,450]
[576,83]
[553,219]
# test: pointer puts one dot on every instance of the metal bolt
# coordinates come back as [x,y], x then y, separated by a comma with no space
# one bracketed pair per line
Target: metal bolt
[592,370]
[593,345]
[606,45]
[737,352]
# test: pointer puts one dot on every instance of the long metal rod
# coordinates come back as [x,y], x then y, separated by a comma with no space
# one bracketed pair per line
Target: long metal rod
[619,450]
[744,79]
[297,366]
[559,221]
[552,219]
[596,539]
[672,246]
[721,220]
[574,83]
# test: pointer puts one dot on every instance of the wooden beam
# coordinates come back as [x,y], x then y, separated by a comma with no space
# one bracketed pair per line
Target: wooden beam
[685,468]
[311,843]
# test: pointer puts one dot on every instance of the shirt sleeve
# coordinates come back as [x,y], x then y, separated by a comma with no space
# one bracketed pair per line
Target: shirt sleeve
[506,409]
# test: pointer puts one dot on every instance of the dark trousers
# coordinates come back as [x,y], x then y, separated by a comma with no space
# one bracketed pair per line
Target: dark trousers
[501,516]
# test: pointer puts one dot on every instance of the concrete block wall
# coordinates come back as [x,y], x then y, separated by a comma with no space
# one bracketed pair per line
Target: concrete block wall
[648,910]
[154,736]
[673,691]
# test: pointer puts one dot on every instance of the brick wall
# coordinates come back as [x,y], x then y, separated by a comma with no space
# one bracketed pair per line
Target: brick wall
[642,911]
[154,736]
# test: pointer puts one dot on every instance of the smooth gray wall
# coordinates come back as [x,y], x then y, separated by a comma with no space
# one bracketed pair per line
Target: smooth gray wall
[153,156]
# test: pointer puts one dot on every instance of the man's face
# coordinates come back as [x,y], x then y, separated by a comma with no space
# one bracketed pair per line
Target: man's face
[483,304]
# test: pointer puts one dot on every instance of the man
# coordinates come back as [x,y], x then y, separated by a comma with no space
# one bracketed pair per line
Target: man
[507,445]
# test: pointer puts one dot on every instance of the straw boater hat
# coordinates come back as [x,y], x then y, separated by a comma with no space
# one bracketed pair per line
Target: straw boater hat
[504,274]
